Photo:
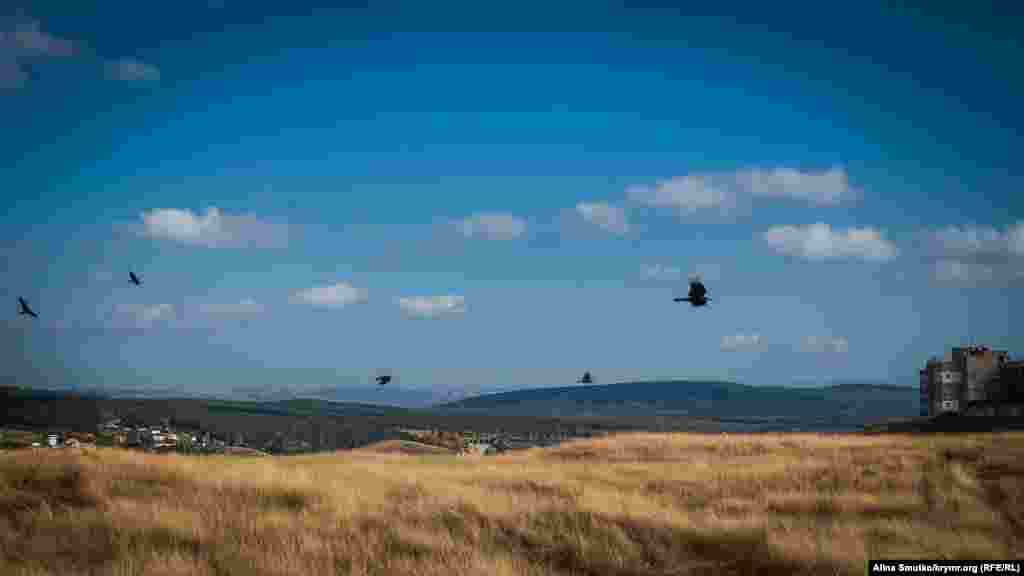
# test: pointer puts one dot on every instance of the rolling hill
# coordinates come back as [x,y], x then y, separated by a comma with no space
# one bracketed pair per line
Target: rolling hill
[656,406]
[838,407]
[339,425]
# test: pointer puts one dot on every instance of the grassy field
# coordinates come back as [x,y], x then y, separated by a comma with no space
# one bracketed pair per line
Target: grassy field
[636,504]
[405,447]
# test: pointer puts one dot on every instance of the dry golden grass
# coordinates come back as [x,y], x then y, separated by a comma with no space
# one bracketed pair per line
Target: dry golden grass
[640,504]
[405,447]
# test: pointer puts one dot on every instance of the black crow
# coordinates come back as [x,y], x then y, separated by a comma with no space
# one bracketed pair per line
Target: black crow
[24,309]
[698,294]
[383,377]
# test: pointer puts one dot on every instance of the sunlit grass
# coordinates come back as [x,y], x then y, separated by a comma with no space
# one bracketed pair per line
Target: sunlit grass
[631,504]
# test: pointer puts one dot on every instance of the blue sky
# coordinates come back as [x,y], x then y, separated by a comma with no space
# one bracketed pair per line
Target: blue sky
[501,197]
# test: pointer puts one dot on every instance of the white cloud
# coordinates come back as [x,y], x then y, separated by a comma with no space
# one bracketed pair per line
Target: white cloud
[664,273]
[975,241]
[605,216]
[336,296]
[827,187]
[130,69]
[974,255]
[212,230]
[959,272]
[491,226]
[819,242]
[144,315]
[246,308]
[431,307]
[825,345]
[725,190]
[684,193]
[740,342]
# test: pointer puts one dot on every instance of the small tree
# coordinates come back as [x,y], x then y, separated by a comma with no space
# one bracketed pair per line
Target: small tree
[185,444]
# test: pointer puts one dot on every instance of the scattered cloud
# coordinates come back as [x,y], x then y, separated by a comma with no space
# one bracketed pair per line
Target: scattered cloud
[212,230]
[974,241]
[664,273]
[743,342]
[491,226]
[819,242]
[244,309]
[975,255]
[129,69]
[962,273]
[336,296]
[432,307]
[825,345]
[26,37]
[23,41]
[677,278]
[725,191]
[144,315]
[686,194]
[604,216]
[823,188]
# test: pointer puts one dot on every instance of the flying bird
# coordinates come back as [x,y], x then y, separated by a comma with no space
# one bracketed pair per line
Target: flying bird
[24,309]
[135,279]
[383,377]
[697,295]
[586,379]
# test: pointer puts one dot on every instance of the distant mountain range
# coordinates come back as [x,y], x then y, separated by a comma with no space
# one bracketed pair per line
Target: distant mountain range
[837,407]
[387,395]
[395,396]
[733,406]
